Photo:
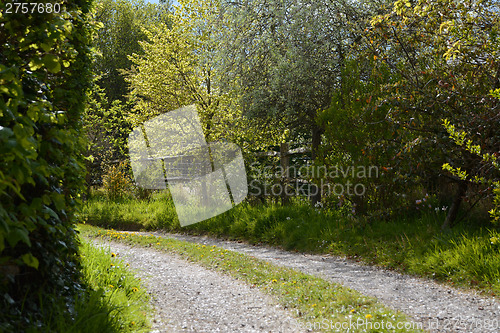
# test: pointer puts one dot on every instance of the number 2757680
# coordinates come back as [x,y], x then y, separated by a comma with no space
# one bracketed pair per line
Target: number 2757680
[32,7]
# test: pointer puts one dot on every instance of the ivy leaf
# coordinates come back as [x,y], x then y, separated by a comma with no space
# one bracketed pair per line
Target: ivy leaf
[52,63]
[45,46]
[30,260]
[17,235]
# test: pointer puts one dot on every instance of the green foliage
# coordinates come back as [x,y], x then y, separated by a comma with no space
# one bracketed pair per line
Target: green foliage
[43,75]
[116,182]
[106,129]
[358,135]
[463,255]
[442,79]
[166,76]
[120,292]
[283,60]
[488,160]
[177,66]
[158,212]
[420,63]
[121,28]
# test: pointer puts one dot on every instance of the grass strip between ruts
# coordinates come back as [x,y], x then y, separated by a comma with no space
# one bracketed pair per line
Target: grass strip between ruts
[318,304]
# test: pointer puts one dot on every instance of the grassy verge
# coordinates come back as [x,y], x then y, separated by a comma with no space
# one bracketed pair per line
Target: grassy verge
[131,214]
[125,299]
[112,302]
[464,256]
[319,304]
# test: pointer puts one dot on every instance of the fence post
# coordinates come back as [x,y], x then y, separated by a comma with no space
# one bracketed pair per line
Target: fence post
[285,171]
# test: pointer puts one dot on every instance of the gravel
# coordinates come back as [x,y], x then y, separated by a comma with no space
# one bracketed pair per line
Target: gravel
[437,307]
[190,298]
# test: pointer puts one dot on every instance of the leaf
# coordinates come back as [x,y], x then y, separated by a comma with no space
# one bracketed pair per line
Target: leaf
[30,260]
[7,75]
[17,235]
[5,133]
[35,64]
[58,200]
[46,47]
[52,63]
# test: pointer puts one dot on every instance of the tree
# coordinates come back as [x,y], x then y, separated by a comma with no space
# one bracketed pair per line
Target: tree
[444,55]
[121,29]
[177,68]
[358,136]
[106,129]
[490,164]
[286,58]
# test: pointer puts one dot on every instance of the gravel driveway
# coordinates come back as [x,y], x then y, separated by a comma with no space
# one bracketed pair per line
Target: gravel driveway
[439,308]
[190,298]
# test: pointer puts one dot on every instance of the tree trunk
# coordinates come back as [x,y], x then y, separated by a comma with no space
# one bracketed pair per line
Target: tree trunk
[453,212]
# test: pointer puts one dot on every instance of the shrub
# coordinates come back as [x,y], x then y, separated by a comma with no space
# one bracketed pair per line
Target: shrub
[116,183]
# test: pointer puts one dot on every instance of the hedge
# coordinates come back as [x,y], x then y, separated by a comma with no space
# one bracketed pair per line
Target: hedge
[44,75]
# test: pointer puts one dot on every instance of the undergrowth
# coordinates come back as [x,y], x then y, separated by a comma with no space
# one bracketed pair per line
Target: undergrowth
[113,287]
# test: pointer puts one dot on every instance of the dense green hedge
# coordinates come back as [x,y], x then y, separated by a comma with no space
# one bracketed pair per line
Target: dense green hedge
[44,73]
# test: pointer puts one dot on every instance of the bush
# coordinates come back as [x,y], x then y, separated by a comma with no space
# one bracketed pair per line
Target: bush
[116,183]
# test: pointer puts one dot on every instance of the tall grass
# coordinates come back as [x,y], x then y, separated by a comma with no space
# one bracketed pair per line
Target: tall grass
[121,291]
[113,301]
[464,255]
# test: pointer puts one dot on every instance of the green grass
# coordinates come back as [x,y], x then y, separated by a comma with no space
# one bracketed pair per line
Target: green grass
[120,290]
[130,214]
[317,303]
[113,301]
[464,256]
